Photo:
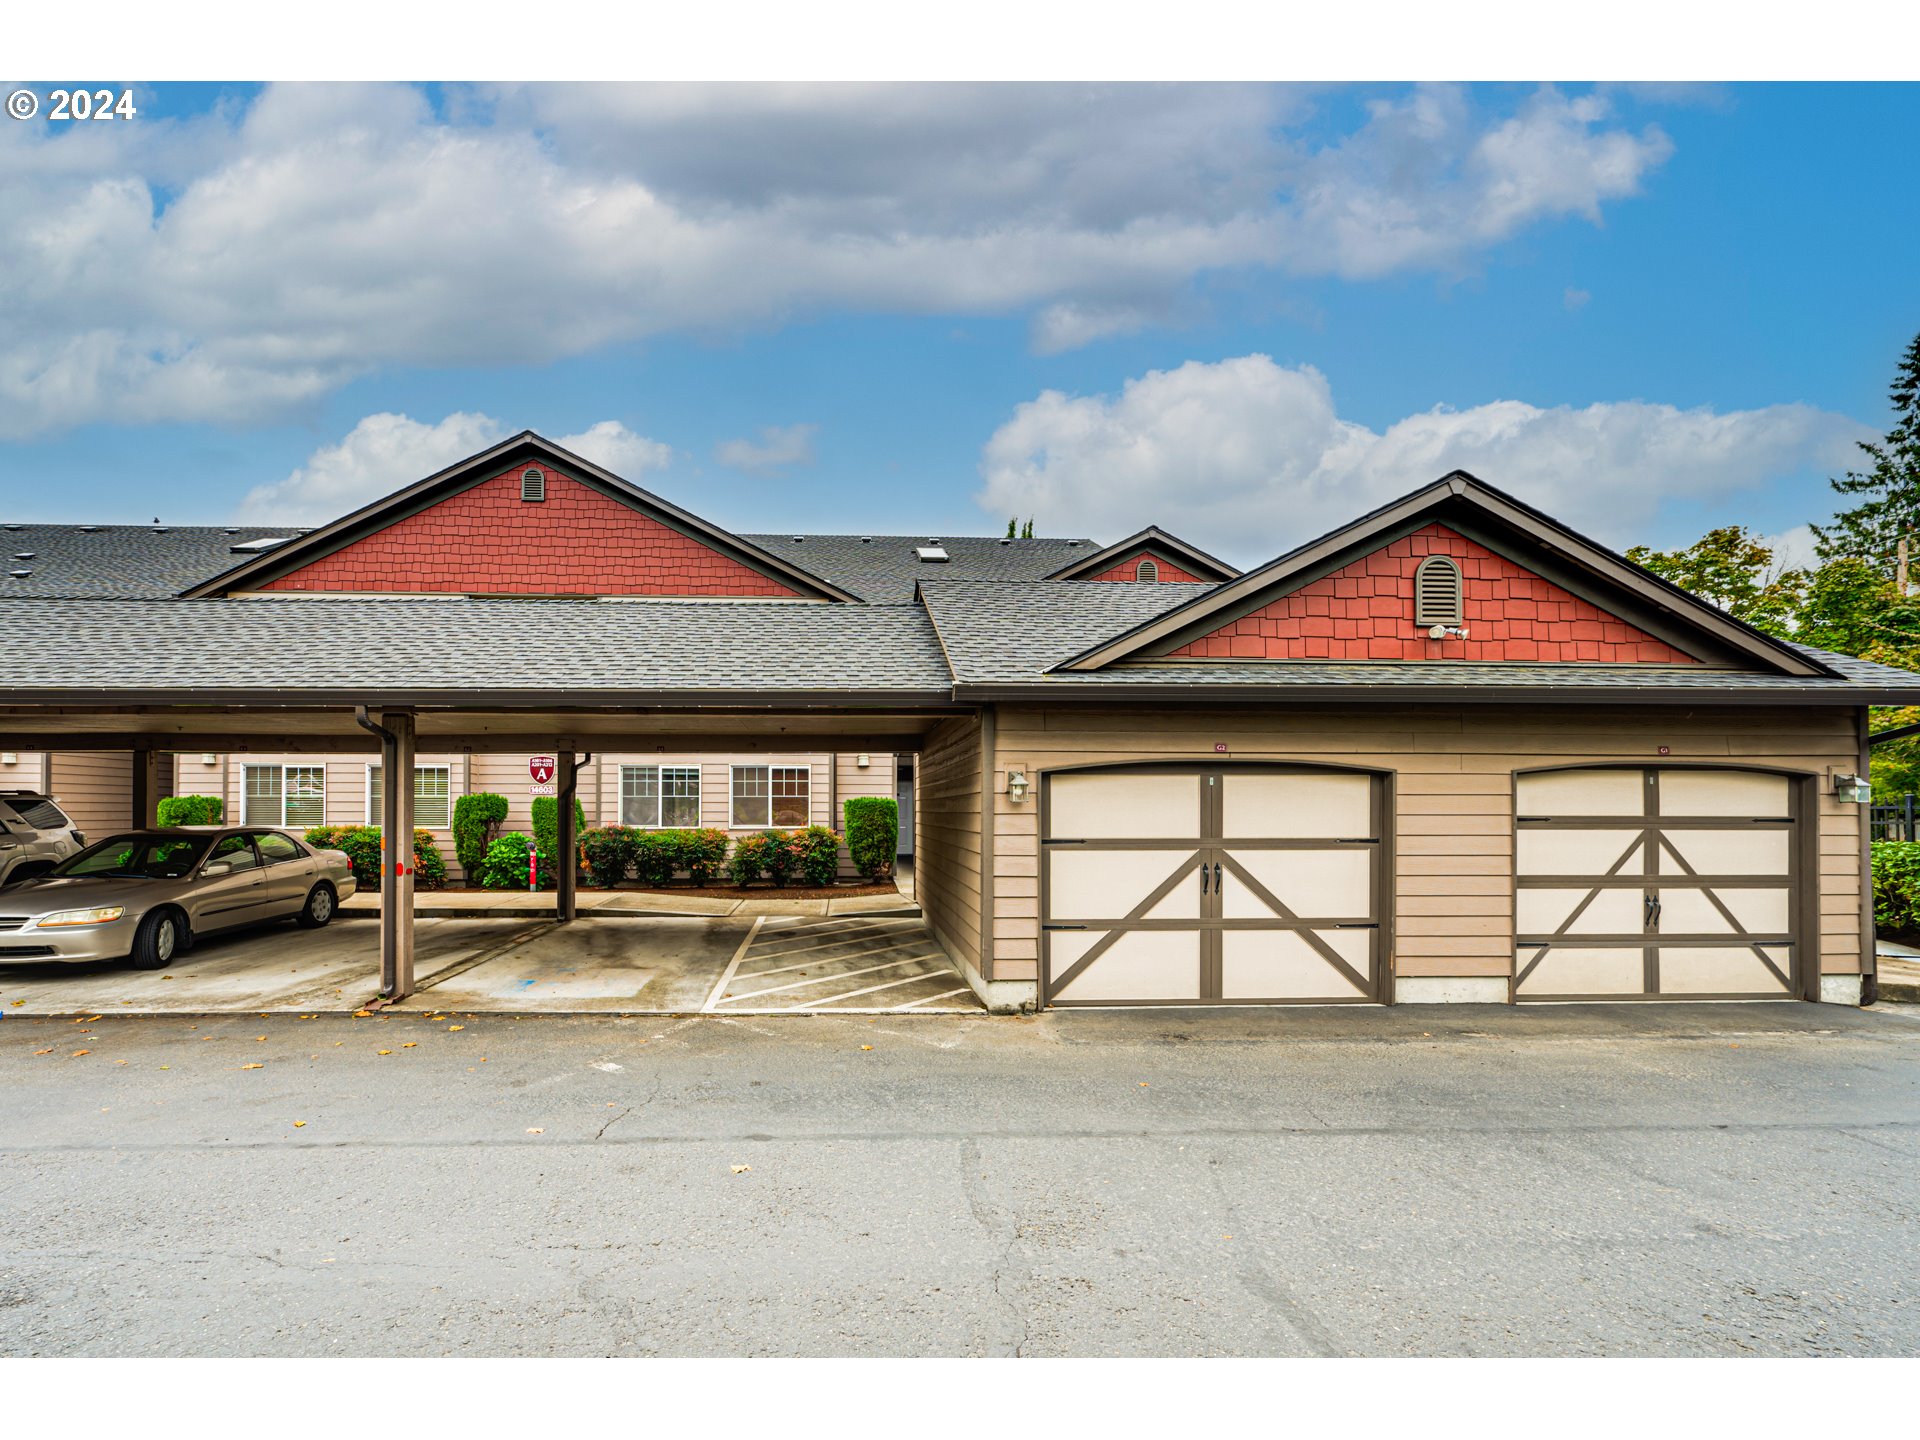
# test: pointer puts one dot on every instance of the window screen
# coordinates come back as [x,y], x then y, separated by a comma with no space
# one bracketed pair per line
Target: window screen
[261,797]
[660,796]
[432,797]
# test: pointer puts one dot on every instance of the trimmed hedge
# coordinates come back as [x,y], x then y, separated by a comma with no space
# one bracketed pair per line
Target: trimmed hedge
[361,845]
[609,853]
[191,810]
[476,824]
[505,865]
[748,862]
[873,834]
[1896,885]
[546,834]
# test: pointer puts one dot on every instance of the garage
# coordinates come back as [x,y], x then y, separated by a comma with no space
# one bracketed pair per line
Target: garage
[1223,885]
[1658,883]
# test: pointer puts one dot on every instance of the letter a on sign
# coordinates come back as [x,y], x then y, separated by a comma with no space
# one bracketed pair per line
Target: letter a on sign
[542,768]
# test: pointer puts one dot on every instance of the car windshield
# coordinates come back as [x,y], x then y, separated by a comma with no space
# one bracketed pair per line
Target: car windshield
[136,857]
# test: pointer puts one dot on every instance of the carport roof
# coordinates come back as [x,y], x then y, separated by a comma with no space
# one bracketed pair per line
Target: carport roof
[998,649]
[546,648]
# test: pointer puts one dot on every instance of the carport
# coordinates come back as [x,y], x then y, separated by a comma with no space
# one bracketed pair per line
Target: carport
[150,725]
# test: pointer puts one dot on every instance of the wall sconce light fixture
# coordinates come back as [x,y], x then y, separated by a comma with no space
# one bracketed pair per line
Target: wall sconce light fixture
[1017,786]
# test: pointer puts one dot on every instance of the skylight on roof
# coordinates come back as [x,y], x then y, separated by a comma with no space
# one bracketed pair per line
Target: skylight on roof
[254,547]
[934,554]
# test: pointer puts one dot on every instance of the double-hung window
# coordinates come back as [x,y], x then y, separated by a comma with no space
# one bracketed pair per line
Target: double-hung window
[660,797]
[291,795]
[432,797]
[770,795]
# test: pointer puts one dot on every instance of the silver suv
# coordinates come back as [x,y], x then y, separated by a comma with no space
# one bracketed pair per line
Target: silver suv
[35,835]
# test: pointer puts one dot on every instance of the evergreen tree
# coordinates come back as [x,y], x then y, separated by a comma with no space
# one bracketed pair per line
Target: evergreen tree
[1027,532]
[1010,524]
[1889,491]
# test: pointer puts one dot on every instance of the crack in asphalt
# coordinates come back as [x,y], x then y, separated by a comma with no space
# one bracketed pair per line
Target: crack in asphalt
[985,1215]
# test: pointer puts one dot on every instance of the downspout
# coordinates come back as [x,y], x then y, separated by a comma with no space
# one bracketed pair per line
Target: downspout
[989,751]
[365,722]
[1869,959]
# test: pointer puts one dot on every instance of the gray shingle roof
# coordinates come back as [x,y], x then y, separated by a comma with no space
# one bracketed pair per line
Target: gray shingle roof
[547,646]
[882,569]
[126,562]
[1010,636]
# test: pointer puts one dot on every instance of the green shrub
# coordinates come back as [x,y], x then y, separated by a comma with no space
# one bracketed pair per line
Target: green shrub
[361,845]
[656,855]
[817,850]
[609,850]
[748,862]
[1896,884]
[703,854]
[873,834]
[782,859]
[476,824]
[191,810]
[429,865]
[546,834]
[505,864]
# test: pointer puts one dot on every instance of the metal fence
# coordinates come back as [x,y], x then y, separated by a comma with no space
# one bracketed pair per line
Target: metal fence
[1894,820]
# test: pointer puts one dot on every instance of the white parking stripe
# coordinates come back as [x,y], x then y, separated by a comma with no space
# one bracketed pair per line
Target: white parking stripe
[943,995]
[825,979]
[909,942]
[889,985]
[768,952]
[726,976]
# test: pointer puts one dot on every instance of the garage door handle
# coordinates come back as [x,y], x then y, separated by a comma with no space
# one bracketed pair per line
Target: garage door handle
[1216,881]
[1203,877]
[1653,912]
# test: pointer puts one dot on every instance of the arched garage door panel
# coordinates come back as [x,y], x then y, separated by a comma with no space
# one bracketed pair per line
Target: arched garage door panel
[1651,882]
[1211,886]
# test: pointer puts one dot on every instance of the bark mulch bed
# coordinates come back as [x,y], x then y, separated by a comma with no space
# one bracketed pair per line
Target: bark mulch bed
[716,892]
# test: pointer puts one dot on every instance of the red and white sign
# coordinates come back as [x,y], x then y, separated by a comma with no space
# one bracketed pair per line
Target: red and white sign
[542,768]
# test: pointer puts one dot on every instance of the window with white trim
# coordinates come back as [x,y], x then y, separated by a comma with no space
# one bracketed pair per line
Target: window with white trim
[660,797]
[291,795]
[432,797]
[776,796]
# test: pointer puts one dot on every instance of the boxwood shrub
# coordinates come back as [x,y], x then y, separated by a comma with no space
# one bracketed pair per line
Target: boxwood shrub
[476,824]
[191,810]
[505,864]
[703,854]
[610,851]
[873,834]
[1896,885]
[361,844]
[656,855]
[546,834]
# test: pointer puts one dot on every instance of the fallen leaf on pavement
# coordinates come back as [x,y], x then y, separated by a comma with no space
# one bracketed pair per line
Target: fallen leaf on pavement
[253,1065]
[741,1169]
[386,1052]
[866,1047]
[536,1130]
[47,1051]
[456,1027]
[298,1123]
[410,1044]
[76,1054]
[361,1014]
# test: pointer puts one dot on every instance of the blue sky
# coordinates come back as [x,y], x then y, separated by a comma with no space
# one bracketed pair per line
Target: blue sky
[1242,313]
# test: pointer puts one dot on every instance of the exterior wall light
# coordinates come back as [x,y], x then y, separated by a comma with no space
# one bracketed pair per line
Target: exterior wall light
[1852,789]
[864,761]
[1017,786]
[9,758]
[209,759]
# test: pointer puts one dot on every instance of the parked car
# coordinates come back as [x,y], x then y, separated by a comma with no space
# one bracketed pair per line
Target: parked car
[147,894]
[35,835]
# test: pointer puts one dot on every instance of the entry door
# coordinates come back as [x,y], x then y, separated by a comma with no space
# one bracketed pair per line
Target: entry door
[1227,885]
[1656,883]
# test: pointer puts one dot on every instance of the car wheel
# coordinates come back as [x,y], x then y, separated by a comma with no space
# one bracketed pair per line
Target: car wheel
[319,908]
[161,936]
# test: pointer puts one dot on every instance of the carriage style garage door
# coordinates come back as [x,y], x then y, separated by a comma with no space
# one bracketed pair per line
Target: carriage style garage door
[1656,883]
[1227,885]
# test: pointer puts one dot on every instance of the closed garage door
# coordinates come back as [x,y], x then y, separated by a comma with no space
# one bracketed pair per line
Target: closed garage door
[1656,883]
[1227,885]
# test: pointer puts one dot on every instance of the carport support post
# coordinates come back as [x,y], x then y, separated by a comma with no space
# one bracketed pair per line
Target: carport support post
[146,788]
[566,779]
[396,855]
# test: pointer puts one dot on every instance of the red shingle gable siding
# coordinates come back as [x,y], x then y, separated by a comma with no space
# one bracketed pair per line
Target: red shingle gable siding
[1124,571]
[487,540]
[1364,611]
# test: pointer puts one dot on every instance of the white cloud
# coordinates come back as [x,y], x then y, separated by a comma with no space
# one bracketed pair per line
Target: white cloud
[1793,548]
[778,447]
[237,267]
[1575,299]
[612,446]
[1252,458]
[385,452]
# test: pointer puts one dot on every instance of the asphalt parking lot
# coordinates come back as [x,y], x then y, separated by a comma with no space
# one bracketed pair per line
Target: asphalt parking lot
[1458,1180]
[629,964]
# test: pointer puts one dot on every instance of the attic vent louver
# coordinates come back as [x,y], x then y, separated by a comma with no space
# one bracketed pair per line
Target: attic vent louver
[931,554]
[1146,572]
[1437,592]
[533,484]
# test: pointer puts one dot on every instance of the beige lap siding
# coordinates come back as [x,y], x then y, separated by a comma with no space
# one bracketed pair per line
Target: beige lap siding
[1452,823]
[946,859]
[850,780]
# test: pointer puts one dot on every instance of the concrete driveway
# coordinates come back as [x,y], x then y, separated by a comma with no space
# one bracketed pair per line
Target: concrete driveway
[1453,1180]
[648,964]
